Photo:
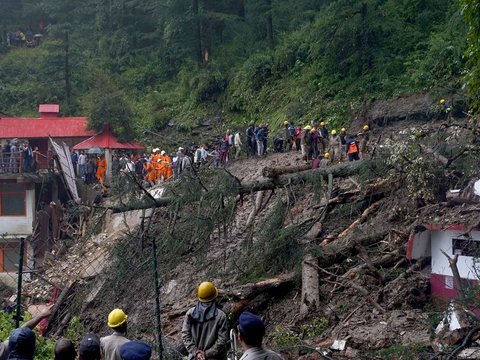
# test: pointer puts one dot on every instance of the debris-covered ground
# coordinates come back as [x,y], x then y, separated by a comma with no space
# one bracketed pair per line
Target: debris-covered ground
[373,302]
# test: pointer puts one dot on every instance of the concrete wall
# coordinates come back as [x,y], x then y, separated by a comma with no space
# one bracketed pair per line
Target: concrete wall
[20,225]
[442,240]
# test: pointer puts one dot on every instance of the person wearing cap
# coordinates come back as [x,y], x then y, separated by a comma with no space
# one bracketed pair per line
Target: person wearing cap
[65,350]
[287,137]
[29,325]
[21,344]
[110,345]
[89,348]
[135,350]
[205,329]
[323,137]
[336,146]
[251,331]
[343,136]
[304,144]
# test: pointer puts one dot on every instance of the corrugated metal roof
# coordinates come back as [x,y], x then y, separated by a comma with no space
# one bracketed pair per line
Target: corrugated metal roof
[106,140]
[31,128]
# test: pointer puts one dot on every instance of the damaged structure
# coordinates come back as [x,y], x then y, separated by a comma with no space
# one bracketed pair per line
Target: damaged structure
[435,241]
[25,195]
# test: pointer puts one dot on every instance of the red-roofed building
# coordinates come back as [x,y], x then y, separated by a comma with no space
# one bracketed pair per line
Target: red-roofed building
[21,192]
[70,130]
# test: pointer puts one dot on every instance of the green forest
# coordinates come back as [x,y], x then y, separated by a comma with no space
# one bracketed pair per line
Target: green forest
[140,64]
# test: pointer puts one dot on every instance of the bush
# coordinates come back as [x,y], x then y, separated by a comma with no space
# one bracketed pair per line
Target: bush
[44,347]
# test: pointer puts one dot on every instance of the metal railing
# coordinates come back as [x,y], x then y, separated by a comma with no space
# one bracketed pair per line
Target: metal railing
[16,163]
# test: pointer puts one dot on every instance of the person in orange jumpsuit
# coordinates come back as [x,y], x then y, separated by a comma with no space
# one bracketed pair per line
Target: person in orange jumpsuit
[101,170]
[150,175]
[155,155]
[168,166]
[158,165]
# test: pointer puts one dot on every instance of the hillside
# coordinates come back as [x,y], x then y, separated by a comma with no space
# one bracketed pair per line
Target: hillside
[140,65]
[355,230]
[342,262]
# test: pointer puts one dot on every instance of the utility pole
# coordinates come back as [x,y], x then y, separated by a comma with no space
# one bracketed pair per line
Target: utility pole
[18,317]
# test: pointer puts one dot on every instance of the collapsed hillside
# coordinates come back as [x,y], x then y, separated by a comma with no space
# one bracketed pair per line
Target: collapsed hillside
[351,230]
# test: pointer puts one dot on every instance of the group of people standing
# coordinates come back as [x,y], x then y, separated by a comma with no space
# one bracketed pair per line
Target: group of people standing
[205,331]
[18,157]
[21,343]
[318,141]
[206,334]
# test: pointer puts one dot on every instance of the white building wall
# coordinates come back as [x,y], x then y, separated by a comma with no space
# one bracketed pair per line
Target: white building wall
[442,240]
[20,225]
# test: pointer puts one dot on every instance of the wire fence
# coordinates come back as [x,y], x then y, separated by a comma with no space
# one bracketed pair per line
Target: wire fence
[86,261]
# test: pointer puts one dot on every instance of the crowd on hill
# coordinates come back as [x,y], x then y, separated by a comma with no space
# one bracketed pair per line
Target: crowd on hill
[316,143]
[26,38]
[206,334]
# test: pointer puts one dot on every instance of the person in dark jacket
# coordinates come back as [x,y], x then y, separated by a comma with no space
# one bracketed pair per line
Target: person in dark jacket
[251,141]
[21,344]
[205,328]
[6,348]
[251,330]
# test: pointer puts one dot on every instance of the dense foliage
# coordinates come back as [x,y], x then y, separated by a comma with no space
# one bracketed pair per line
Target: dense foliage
[185,60]
[471,10]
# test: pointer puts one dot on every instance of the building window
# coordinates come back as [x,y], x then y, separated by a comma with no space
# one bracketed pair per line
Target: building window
[9,257]
[466,247]
[12,199]
[448,282]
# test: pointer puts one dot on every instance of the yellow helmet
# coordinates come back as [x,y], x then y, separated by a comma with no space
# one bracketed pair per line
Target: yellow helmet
[322,123]
[116,318]
[365,128]
[308,127]
[327,155]
[207,292]
[442,101]
[343,129]
[334,132]
[285,122]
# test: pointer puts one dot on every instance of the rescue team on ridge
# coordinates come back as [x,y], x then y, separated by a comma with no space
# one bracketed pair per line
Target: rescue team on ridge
[205,335]
[315,142]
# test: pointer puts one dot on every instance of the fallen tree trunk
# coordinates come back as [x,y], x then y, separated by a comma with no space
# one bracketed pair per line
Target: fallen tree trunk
[372,208]
[249,291]
[340,170]
[256,207]
[271,172]
[341,249]
[310,279]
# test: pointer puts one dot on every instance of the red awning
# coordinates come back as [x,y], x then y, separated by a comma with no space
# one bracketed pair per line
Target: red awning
[106,140]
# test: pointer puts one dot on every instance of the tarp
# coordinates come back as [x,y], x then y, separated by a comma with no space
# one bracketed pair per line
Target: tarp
[65,162]
[106,140]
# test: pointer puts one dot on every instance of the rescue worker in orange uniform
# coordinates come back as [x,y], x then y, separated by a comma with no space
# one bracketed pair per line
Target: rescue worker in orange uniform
[101,170]
[168,166]
[150,173]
